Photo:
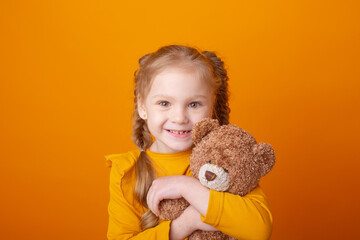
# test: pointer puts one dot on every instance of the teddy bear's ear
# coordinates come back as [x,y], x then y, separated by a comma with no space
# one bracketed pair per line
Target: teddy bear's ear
[202,128]
[266,155]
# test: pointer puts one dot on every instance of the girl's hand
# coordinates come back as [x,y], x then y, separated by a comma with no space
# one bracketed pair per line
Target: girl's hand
[193,217]
[188,222]
[173,187]
[169,187]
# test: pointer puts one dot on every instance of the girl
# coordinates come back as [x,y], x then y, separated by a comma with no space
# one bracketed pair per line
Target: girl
[175,87]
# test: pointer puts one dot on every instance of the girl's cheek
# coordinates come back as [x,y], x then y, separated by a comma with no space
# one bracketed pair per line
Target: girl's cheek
[208,112]
[157,117]
[203,114]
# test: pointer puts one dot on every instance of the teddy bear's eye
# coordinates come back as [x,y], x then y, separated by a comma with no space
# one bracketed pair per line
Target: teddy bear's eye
[226,170]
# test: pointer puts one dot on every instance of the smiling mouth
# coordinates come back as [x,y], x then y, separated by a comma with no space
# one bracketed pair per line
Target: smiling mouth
[179,132]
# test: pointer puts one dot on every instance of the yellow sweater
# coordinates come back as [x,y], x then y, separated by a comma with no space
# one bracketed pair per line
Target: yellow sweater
[247,217]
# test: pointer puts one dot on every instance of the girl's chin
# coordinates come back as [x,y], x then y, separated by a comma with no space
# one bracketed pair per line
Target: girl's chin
[182,148]
[170,149]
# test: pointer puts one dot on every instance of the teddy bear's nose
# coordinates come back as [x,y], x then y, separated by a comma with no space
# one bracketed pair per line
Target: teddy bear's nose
[210,175]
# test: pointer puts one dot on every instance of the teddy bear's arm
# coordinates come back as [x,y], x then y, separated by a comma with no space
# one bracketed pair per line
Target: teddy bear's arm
[247,217]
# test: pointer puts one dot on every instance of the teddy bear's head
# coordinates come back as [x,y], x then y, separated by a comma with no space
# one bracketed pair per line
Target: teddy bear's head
[227,158]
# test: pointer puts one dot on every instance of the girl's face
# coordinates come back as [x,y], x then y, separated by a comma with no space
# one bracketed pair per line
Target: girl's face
[178,99]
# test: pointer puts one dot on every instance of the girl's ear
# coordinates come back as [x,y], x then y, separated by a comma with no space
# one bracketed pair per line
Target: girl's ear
[141,109]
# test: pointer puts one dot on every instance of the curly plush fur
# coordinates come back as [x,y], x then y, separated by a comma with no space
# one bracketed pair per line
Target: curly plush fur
[225,158]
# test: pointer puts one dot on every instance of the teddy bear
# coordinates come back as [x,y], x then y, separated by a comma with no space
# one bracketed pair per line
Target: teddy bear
[224,158]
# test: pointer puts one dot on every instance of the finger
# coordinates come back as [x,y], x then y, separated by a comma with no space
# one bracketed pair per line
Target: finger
[151,202]
[156,203]
[148,198]
[156,193]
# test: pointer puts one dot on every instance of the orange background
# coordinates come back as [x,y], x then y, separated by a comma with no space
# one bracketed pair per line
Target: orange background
[66,101]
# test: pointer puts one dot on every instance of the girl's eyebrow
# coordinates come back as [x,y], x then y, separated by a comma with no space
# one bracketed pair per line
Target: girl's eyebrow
[161,96]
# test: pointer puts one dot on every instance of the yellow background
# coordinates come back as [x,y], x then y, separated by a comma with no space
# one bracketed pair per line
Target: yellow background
[67,96]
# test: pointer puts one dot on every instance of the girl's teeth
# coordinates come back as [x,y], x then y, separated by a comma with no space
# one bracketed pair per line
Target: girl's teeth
[179,132]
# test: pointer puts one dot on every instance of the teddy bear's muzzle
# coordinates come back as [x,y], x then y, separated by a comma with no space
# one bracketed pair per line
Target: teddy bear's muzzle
[214,177]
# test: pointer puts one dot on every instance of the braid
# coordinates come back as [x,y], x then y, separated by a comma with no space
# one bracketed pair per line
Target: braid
[145,172]
[221,108]
[141,135]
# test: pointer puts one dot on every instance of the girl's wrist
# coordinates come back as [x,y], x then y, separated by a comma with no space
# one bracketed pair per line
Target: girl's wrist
[181,227]
[196,194]
[188,184]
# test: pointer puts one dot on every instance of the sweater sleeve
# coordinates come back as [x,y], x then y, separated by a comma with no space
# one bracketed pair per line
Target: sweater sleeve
[124,217]
[246,217]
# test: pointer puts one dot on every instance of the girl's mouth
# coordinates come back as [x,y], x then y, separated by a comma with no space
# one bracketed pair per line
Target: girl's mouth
[179,133]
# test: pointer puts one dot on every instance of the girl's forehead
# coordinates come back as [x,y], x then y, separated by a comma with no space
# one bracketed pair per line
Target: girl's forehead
[179,82]
[178,69]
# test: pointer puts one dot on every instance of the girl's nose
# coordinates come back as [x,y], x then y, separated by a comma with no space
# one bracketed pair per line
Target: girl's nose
[179,116]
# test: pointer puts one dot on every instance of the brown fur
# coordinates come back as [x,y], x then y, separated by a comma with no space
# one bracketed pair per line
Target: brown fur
[231,148]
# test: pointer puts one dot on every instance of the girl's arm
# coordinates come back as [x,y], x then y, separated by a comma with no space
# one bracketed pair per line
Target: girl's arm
[187,223]
[173,187]
[125,215]
[190,219]
[125,211]
[245,217]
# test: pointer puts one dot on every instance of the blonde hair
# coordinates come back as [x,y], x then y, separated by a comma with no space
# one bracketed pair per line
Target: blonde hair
[210,67]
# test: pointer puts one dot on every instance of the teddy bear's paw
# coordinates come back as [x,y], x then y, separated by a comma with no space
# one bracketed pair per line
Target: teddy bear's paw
[202,235]
[171,209]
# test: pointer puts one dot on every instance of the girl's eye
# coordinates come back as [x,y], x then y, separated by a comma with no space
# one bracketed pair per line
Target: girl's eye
[164,103]
[194,105]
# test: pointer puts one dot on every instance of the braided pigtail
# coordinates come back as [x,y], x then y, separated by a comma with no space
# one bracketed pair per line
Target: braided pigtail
[221,109]
[144,169]
[145,172]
